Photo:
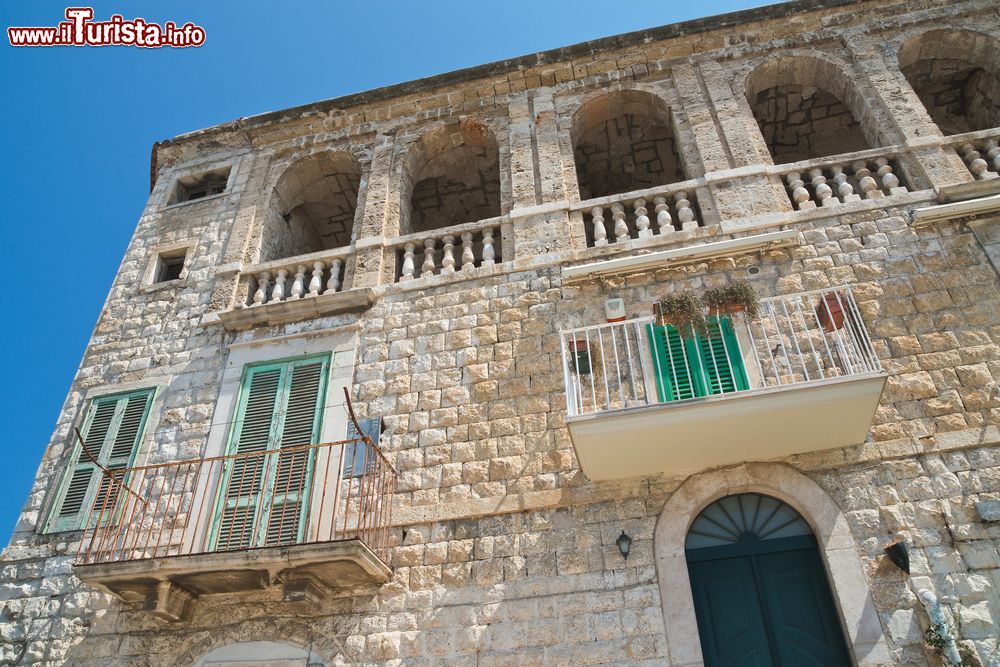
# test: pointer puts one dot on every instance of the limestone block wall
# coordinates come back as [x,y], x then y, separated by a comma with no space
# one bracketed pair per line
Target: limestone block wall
[503,550]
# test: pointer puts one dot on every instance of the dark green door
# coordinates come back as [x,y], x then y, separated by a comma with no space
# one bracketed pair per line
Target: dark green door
[760,591]
[730,618]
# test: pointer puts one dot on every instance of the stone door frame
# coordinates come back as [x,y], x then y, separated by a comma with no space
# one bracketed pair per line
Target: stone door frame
[837,547]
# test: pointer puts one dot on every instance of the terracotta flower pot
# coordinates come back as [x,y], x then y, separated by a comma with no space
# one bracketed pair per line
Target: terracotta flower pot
[727,309]
[830,312]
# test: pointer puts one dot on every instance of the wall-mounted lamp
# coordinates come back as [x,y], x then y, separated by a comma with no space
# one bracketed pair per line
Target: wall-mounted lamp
[899,554]
[624,543]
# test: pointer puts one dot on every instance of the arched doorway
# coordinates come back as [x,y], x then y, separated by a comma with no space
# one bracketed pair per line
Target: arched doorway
[760,591]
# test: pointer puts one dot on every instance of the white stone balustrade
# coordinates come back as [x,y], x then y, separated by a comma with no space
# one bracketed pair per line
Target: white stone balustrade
[982,157]
[673,211]
[820,185]
[297,278]
[441,253]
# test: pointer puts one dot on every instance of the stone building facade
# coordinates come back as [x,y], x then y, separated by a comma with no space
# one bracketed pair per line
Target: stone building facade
[445,250]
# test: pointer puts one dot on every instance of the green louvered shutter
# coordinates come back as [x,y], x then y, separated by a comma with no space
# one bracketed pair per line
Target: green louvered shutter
[112,429]
[243,477]
[675,377]
[264,496]
[702,365]
[718,354]
[286,519]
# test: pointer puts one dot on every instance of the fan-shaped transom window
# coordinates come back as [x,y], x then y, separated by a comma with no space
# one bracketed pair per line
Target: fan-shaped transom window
[729,519]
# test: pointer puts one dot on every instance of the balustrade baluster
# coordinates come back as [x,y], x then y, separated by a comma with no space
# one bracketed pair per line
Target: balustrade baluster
[863,175]
[992,153]
[620,226]
[489,254]
[974,161]
[889,180]
[427,268]
[824,193]
[408,262]
[298,283]
[263,281]
[333,284]
[448,261]
[642,220]
[797,189]
[684,211]
[278,293]
[844,188]
[663,221]
[600,234]
[316,281]
[468,253]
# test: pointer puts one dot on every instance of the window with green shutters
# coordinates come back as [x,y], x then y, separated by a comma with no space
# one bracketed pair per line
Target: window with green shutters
[262,498]
[697,365]
[112,428]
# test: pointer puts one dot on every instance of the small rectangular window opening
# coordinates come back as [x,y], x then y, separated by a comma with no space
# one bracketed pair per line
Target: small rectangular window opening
[169,267]
[199,186]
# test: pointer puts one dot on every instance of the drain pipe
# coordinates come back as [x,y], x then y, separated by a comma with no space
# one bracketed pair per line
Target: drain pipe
[950,649]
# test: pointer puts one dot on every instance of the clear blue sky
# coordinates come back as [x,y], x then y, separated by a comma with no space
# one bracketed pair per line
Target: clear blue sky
[77,125]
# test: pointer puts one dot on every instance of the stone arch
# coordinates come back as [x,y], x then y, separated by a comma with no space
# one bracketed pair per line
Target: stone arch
[807,107]
[288,634]
[954,72]
[286,654]
[622,141]
[451,176]
[837,546]
[313,206]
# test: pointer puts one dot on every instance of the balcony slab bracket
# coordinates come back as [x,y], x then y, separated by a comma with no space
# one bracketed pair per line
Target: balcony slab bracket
[302,593]
[169,602]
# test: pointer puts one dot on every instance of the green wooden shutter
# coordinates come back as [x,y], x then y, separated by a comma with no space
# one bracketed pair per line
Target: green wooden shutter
[702,365]
[264,500]
[112,429]
[286,520]
[243,476]
[718,353]
[675,377]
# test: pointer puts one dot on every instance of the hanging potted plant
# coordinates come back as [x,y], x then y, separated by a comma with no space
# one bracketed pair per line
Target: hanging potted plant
[736,297]
[830,311]
[683,311]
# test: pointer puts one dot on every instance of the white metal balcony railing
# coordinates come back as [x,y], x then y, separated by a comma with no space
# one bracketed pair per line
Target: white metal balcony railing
[802,338]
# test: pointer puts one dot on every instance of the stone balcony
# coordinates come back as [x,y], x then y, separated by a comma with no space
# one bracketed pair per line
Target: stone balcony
[304,520]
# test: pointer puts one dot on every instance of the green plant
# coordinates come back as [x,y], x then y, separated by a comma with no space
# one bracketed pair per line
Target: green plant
[937,638]
[738,293]
[685,312]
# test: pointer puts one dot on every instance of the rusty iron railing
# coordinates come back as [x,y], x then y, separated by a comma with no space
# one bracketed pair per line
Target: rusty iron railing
[280,497]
